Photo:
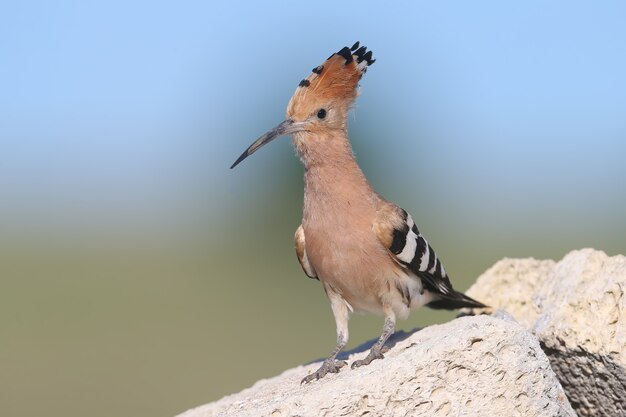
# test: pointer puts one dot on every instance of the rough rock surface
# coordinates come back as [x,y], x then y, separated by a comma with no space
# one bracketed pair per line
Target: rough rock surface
[577,309]
[471,366]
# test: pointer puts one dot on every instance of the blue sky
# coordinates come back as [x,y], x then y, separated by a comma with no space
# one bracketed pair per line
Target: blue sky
[114,107]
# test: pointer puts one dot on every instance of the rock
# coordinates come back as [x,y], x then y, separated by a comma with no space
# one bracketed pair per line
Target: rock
[577,309]
[471,366]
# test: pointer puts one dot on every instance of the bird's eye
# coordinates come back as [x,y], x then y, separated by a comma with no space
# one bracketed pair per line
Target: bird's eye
[321,114]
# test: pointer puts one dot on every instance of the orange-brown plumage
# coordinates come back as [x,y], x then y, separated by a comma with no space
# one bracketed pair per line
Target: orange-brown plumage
[335,84]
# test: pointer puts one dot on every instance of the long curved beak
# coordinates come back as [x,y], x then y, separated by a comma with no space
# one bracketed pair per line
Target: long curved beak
[284,128]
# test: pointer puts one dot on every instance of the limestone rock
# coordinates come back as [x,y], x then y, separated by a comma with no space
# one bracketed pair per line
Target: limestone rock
[471,366]
[577,309]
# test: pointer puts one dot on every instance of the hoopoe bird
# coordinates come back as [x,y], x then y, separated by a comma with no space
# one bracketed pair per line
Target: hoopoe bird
[367,252]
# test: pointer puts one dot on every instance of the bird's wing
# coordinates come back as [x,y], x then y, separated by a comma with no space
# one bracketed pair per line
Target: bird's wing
[301,252]
[399,234]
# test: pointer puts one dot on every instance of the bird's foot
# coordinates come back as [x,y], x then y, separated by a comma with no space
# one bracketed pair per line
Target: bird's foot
[374,354]
[329,366]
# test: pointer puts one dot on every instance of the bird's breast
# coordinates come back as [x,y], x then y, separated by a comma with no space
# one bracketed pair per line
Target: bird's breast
[345,251]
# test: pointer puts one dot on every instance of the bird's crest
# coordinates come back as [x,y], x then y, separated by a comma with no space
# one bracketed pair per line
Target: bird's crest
[337,77]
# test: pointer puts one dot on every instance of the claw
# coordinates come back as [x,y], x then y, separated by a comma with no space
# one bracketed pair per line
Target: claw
[368,359]
[329,366]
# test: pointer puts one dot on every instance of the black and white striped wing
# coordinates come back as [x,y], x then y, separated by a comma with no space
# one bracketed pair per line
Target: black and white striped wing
[398,232]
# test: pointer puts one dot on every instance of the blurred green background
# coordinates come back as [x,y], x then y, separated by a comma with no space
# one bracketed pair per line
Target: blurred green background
[140,276]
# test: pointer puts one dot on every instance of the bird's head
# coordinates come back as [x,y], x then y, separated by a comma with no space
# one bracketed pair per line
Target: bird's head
[323,99]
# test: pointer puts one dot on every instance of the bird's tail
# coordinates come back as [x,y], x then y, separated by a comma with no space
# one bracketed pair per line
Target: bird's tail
[454,300]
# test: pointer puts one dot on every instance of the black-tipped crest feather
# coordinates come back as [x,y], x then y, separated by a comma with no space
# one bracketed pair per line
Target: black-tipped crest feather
[347,54]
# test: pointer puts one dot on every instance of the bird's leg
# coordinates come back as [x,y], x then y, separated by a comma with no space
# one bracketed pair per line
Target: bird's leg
[331,364]
[376,352]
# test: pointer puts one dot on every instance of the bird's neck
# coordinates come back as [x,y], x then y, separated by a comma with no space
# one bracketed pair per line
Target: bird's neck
[321,148]
[333,181]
